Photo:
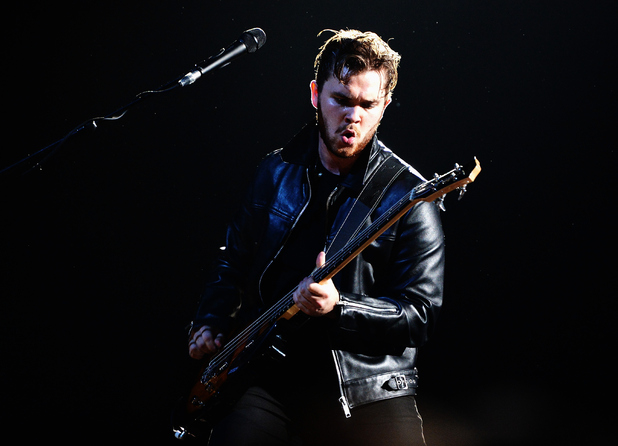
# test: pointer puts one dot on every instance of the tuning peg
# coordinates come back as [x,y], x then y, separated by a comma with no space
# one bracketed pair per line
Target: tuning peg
[440,203]
[462,190]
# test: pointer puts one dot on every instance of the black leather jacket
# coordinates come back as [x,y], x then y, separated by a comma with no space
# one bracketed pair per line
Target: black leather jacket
[390,294]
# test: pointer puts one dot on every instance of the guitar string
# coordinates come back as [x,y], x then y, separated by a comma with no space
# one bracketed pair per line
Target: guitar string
[286,302]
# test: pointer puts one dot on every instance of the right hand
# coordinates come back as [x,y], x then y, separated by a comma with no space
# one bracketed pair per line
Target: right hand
[205,341]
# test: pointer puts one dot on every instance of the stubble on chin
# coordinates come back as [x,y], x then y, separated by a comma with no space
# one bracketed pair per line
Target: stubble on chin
[331,140]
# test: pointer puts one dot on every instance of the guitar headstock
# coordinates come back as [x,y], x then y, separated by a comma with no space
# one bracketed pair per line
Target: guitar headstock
[440,185]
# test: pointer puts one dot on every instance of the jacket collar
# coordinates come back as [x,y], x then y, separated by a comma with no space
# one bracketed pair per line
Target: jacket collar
[302,149]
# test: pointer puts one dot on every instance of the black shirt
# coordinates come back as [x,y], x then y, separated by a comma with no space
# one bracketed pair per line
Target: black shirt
[307,350]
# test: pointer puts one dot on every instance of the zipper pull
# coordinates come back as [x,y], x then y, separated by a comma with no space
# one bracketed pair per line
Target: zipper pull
[346,408]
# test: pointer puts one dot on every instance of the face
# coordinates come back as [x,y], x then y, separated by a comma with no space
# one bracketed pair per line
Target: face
[348,115]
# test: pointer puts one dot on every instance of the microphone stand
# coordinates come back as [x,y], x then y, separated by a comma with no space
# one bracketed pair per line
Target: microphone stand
[89,123]
[249,41]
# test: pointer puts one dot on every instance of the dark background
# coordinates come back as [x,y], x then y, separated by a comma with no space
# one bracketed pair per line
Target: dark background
[104,250]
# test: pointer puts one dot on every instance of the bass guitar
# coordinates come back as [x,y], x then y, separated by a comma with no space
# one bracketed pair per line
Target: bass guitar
[221,379]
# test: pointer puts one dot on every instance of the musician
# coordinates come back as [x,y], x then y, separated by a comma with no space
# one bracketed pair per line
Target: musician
[347,374]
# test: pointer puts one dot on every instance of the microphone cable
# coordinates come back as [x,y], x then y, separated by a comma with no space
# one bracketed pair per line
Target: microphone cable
[89,123]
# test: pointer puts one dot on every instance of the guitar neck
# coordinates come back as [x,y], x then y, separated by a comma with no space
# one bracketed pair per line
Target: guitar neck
[427,191]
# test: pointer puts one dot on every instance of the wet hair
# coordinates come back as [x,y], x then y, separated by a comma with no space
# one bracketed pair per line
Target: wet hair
[350,52]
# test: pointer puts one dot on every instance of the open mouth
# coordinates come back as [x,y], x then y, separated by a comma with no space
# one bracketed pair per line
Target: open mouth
[348,136]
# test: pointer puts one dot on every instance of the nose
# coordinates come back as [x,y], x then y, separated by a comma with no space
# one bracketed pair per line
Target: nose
[353,114]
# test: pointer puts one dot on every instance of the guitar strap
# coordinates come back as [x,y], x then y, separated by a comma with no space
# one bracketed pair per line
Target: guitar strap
[366,202]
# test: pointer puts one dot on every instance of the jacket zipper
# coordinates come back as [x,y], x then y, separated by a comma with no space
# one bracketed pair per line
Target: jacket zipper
[327,229]
[366,307]
[342,399]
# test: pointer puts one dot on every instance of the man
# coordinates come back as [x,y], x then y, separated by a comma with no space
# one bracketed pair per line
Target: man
[349,375]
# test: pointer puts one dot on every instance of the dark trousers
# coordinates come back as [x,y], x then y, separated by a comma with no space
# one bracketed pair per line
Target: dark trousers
[261,419]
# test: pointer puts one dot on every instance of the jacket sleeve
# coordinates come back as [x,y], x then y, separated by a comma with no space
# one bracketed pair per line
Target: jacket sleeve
[400,308]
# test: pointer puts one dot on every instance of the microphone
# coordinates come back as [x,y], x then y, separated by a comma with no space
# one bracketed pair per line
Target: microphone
[249,42]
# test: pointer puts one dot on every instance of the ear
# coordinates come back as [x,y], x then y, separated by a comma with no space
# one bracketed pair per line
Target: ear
[388,101]
[314,93]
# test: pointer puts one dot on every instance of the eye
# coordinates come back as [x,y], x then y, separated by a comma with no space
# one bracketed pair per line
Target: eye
[343,101]
[368,105]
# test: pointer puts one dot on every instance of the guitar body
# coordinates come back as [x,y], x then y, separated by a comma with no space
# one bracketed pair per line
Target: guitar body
[220,386]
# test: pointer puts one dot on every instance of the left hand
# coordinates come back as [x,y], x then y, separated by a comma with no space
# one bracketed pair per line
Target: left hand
[316,299]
